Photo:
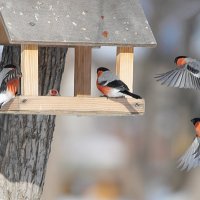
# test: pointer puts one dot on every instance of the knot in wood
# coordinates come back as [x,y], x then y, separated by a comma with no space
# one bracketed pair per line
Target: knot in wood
[137,105]
[24,100]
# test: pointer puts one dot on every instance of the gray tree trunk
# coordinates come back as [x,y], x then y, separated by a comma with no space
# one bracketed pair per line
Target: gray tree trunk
[25,140]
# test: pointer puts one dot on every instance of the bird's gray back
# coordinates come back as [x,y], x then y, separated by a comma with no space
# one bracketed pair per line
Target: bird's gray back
[107,76]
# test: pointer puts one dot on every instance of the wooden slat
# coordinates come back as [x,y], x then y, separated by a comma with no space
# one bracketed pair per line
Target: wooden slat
[82,71]
[29,66]
[74,105]
[124,65]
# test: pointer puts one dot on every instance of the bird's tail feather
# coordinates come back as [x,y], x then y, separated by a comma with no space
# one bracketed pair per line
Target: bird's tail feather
[131,94]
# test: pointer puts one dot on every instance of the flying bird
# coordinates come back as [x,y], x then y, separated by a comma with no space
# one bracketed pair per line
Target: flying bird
[185,75]
[9,83]
[111,86]
[191,157]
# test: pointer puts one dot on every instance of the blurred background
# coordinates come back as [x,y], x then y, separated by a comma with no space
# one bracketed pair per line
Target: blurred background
[133,158]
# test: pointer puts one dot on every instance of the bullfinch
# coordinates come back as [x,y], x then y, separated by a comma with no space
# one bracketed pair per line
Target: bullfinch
[111,86]
[185,75]
[9,83]
[191,157]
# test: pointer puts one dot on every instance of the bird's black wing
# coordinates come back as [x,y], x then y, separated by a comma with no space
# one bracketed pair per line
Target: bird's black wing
[192,69]
[103,83]
[3,86]
[13,74]
[118,84]
[181,78]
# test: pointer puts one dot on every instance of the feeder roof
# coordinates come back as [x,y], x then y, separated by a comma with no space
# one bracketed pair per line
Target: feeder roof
[75,23]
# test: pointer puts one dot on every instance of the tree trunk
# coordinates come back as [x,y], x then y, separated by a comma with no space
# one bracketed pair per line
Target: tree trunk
[25,140]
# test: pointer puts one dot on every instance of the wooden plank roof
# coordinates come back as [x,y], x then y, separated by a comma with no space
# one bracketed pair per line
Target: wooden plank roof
[72,22]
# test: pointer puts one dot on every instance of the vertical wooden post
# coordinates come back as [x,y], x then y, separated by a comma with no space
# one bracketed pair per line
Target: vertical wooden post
[124,65]
[29,67]
[82,71]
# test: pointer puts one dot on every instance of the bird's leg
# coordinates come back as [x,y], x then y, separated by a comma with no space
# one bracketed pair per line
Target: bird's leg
[103,96]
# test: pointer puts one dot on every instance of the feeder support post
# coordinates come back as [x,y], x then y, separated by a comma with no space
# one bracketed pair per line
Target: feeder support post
[82,71]
[124,65]
[29,68]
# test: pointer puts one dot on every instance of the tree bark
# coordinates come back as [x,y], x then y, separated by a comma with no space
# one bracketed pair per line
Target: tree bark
[25,140]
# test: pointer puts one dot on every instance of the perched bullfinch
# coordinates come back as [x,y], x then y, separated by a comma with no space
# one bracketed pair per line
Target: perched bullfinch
[9,83]
[110,85]
[185,75]
[191,158]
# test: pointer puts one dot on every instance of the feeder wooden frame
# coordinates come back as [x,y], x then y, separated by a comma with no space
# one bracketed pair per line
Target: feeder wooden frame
[82,103]
[86,24]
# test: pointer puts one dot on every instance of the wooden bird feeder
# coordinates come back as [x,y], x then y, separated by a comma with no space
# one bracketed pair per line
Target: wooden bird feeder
[82,25]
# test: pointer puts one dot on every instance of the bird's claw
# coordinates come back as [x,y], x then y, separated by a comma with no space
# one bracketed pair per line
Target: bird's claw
[103,96]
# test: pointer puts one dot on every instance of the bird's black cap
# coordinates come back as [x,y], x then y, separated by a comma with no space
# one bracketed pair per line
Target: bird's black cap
[176,59]
[102,69]
[195,120]
[10,66]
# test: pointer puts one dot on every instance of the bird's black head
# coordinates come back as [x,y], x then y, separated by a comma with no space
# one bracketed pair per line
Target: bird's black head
[10,66]
[195,120]
[179,58]
[102,69]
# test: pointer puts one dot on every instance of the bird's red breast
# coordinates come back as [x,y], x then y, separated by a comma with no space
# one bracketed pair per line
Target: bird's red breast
[104,89]
[197,128]
[12,86]
[180,62]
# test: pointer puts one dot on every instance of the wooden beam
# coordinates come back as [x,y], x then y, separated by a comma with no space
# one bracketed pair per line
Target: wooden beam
[74,106]
[124,65]
[29,67]
[82,71]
